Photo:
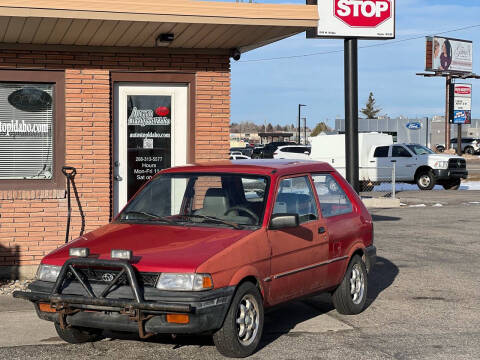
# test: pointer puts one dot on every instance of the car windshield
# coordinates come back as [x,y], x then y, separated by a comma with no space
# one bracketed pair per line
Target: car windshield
[231,200]
[419,149]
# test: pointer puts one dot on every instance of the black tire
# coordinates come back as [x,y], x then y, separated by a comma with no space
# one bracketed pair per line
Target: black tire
[425,180]
[77,335]
[344,301]
[452,184]
[469,150]
[228,339]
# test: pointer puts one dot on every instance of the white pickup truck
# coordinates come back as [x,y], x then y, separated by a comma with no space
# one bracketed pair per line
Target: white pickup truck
[414,163]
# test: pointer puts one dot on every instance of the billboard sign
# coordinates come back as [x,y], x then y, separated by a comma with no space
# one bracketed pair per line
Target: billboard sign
[445,54]
[461,103]
[414,125]
[367,19]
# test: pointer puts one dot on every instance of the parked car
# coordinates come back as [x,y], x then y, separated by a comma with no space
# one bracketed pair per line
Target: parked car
[247,151]
[238,157]
[205,249]
[469,145]
[301,152]
[414,163]
[267,151]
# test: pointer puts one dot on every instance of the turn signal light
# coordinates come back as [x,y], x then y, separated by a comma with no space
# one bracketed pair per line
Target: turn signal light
[207,282]
[44,307]
[178,318]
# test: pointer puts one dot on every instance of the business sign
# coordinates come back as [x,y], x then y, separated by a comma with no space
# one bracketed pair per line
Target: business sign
[414,126]
[445,54]
[461,103]
[370,19]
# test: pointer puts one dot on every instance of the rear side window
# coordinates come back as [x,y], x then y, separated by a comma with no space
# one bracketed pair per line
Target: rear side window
[333,200]
[381,151]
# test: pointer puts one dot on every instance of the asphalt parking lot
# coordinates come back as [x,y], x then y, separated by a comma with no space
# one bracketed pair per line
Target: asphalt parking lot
[423,298]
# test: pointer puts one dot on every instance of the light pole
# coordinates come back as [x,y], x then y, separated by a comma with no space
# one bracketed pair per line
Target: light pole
[299,109]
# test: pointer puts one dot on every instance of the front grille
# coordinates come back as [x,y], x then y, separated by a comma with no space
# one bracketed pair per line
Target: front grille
[457,164]
[104,276]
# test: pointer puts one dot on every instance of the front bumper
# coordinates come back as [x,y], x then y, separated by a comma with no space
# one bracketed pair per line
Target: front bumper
[126,307]
[447,174]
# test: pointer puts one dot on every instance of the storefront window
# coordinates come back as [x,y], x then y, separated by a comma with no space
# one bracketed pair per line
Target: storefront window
[26,131]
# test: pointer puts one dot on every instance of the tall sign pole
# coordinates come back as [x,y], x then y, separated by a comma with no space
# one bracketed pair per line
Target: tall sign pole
[351,112]
[353,20]
[448,83]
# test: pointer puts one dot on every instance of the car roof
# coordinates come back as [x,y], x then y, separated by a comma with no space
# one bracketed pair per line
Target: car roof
[257,166]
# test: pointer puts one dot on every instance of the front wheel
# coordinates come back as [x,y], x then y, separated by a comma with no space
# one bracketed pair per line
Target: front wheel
[243,326]
[78,335]
[351,295]
[426,180]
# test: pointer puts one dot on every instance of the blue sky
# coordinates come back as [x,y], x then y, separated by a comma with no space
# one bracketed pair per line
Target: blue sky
[271,90]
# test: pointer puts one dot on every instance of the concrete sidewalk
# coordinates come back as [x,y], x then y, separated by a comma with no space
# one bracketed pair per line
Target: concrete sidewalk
[20,325]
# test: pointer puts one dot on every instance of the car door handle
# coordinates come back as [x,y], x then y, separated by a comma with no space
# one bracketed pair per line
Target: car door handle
[321,230]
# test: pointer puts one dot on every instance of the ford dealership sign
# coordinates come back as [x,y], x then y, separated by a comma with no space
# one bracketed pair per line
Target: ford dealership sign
[372,19]
[414,126]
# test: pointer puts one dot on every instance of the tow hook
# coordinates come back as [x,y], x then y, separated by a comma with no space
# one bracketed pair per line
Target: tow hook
[140,318]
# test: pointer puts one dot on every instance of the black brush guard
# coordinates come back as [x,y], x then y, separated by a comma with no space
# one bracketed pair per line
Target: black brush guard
[138,302]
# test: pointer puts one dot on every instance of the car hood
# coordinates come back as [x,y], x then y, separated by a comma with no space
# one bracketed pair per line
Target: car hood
[439,157]
[156,248]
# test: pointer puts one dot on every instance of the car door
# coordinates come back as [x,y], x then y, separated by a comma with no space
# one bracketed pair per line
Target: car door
[380,167]
[341,224]
[404,163]
[294,250]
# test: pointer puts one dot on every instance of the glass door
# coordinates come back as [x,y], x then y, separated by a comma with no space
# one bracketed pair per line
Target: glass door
[150,126]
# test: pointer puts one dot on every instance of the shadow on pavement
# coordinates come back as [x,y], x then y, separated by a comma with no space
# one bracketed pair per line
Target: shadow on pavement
[381,277]
[385,218]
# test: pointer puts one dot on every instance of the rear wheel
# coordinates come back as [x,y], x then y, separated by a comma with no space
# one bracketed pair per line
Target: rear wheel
[452,184]
[351,295]
[426,180]
[78,335]
[243,326]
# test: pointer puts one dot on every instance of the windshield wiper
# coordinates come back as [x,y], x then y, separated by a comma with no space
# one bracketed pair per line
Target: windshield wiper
[151,216]
[213,219]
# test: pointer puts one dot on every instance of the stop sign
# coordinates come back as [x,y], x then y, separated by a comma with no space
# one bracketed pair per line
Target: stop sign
[362,13]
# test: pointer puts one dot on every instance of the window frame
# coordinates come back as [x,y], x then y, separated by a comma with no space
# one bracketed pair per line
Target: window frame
[312,190]
[58,136]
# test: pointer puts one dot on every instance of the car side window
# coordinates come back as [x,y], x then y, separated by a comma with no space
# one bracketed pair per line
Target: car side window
[295,196]
[381,151]
[333,200]
[400,151]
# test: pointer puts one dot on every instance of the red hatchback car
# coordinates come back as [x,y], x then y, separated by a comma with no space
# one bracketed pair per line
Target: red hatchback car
[204,249]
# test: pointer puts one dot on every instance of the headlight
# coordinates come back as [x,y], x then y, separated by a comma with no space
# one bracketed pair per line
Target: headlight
[184,282]
[441,164]
[48,272]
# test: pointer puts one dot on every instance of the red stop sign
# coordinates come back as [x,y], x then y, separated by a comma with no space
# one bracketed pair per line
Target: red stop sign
[362,13]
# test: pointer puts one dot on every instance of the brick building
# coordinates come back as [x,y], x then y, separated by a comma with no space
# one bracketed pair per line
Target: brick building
[118,91]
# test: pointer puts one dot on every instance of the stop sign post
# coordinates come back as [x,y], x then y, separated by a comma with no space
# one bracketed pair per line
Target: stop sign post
[352,20]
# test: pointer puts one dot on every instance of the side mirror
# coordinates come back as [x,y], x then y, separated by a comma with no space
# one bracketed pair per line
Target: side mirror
[280,221]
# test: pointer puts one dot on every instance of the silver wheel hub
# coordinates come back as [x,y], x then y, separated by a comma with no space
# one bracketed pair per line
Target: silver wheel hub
[424,180]
[357,284]
[247,320]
